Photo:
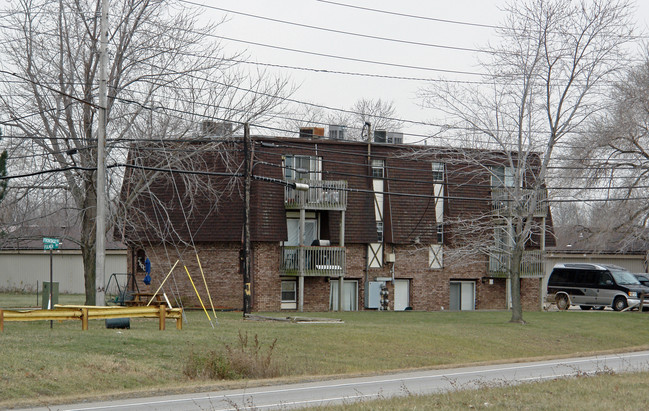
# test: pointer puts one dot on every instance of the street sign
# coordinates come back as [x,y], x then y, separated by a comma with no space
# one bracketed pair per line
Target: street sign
[50,243]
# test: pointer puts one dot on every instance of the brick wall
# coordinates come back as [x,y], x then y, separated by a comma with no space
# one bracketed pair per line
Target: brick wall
[429,288]
[220,262]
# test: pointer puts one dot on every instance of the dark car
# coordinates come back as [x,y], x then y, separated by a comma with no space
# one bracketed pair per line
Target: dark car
[593,286]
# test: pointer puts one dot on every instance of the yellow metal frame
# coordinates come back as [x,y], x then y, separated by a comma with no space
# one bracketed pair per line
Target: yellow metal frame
[89,312]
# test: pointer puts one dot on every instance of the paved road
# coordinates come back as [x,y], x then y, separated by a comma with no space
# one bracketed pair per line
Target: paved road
[357,389]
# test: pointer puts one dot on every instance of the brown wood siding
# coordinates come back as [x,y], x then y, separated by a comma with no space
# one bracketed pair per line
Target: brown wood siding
[405,218]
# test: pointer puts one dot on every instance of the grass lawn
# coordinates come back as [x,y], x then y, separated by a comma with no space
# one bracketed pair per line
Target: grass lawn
[65,363]
[601,392]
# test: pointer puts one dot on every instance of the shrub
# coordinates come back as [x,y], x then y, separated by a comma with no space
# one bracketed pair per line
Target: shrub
[245,360]
[248,359]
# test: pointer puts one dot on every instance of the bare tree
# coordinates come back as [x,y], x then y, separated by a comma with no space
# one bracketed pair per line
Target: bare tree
[614,158]
[544,80]
[165,76]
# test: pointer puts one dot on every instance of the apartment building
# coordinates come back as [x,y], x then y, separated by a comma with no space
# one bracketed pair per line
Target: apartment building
[334,225]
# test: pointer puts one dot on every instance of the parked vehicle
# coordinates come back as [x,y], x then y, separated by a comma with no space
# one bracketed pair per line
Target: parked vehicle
[643,278]
[593,285]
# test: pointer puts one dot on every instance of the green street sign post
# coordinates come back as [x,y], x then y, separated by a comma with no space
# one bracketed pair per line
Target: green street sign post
[51,244]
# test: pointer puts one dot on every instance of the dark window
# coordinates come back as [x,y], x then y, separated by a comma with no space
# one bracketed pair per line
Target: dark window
[605,278]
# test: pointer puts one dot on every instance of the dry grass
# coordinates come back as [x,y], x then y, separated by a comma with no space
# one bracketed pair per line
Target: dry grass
[600,392]
[43,363]
[248,359]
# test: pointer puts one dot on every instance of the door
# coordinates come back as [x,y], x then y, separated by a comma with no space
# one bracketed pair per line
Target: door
[401,294]
[350,295]
[607,289]
[584,290]
[462,295]
[293,229]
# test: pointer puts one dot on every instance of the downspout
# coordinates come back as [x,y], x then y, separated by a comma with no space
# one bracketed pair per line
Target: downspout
[369,176]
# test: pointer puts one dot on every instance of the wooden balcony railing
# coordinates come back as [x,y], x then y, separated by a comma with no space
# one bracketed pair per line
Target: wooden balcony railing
[317,261]
[503,202]
[531,265]
[322,195]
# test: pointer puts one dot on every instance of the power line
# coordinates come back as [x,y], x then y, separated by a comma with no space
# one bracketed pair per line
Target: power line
[330,30]
[355,59]
[414,16]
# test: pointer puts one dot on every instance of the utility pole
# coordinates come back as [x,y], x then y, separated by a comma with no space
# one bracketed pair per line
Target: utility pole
[246,218]
[100,276]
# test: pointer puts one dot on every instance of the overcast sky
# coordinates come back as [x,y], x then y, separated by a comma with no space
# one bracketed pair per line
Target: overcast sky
[341,91]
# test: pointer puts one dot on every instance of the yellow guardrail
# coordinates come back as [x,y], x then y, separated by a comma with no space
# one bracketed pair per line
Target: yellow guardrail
[89,312]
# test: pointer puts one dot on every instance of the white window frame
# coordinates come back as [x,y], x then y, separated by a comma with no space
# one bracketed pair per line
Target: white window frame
[439,171]
[288,304]
[378,168]
[314,167]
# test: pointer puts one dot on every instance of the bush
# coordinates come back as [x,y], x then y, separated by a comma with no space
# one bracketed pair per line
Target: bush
[246,360]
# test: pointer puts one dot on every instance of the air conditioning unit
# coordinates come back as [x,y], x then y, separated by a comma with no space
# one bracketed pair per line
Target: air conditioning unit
[336,132]
[395,138]
[217,129]
[311,132]
[380,136]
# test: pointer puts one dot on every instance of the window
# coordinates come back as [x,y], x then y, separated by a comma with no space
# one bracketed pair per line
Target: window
[289,295]
[438,172]
[378,168]
[502,176]
[504,238]
[293,231]
[302,168]
[500,255]
[350,295]
[379,230]
[462,295]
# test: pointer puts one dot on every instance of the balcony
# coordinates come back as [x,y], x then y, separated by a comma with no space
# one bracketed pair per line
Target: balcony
[318,261]
[503,202]
[322,195]
[531,266]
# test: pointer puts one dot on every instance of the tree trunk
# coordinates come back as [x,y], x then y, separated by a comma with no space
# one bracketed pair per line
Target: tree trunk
[88,241]
[515,277]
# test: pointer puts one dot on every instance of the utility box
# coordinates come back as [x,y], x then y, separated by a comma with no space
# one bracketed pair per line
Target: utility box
[373,294]
[46,294]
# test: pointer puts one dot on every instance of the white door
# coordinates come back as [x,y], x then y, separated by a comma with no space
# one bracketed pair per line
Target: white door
[350,293]
[401,294]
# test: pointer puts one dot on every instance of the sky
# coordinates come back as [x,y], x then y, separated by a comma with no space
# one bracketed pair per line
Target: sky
[438,57]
